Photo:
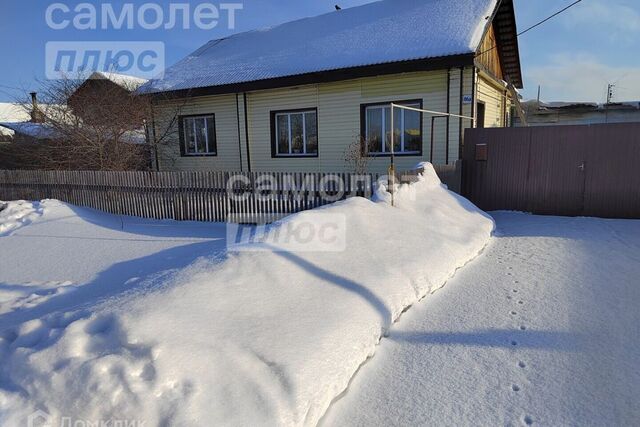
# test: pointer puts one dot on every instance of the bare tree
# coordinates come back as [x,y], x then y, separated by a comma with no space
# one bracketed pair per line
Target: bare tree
[93,124]
[356,155]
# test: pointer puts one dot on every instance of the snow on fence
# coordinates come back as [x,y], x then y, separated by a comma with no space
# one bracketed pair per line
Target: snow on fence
[195,195]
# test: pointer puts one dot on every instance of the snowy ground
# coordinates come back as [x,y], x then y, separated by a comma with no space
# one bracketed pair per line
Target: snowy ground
[112,320]
[122,319]
[80,256]
[541,329]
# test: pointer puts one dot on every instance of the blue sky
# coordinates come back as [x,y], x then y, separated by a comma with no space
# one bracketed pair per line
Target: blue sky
[572,57]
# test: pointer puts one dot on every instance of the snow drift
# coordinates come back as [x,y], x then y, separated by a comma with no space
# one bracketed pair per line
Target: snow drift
[247,338]
[16,214]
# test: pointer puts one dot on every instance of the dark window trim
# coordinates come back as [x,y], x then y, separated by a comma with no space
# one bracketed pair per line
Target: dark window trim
[238,122]
[246,129]
[183,148]
[448,119]
[460,131]
[274,137]
[363,126]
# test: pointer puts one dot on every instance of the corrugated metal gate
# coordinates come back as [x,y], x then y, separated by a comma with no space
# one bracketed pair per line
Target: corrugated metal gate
[589,170]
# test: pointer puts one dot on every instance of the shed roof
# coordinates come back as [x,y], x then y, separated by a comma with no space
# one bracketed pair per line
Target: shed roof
[122,80]
[33,130]
[13,112]
[383,32]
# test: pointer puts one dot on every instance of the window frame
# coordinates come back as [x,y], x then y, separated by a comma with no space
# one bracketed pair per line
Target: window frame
[183,139]
[274,133]
[363,126]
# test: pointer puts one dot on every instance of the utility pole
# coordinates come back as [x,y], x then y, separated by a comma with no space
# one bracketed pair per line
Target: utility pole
[610,92]
[610,87]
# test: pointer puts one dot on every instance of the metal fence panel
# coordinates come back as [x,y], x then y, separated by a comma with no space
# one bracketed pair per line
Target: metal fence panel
[591,170]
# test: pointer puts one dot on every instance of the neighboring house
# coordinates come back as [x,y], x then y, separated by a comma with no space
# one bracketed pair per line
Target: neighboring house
[295,96]
[88,99]
[98,88]
[579,113]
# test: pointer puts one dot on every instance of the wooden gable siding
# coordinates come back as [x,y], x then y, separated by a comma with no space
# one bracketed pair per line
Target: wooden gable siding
[495,100]
[489,55]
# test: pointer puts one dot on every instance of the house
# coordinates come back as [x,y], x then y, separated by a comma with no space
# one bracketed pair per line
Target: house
[98,124]
[294,97]
[87,101]
[579,113]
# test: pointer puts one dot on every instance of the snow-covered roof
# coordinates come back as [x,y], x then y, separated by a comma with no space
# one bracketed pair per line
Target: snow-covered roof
[123,80]
[564,105]
[382,32]
[46,131]
[12,112]
[34,130]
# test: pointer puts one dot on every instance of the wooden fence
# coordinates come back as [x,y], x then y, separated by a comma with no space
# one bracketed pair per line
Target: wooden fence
[451,175]
[196,196]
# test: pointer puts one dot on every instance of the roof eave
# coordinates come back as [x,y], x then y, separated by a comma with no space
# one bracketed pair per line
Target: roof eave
[425,64]
[505,12]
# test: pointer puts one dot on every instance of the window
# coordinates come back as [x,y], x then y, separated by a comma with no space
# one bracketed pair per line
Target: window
[198,135]
[376,127]
[294,133]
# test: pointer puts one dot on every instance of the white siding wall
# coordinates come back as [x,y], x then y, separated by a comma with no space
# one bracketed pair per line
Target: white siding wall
[338,107]
[228,155]
[493,96]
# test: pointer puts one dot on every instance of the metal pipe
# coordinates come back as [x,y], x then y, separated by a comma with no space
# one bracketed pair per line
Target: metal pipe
[437,113]
[392,170]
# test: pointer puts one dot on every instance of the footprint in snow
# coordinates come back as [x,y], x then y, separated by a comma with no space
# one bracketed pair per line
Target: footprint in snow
[100,325]
[528,420]
[8,335]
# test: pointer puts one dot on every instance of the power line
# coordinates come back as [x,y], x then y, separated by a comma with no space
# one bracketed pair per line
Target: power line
[535,25]
[550,17]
